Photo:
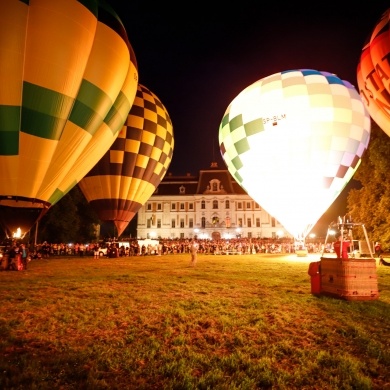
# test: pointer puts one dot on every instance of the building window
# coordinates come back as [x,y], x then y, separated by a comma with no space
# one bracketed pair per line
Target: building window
[149,223]
[182,236]
[227,204]
[159,207]
[203,204]
[239,205]
[257,206]
[273,222]
[182,223]
[182,190]
[257,222]
[181,206]
[249,222]
[173,223]
[203,222]
[191,223]
[248,205]
[159,223]
[173,206]
[215,204]
[190,206]
[149,207]
[249,234]
[215,186]
[240,222]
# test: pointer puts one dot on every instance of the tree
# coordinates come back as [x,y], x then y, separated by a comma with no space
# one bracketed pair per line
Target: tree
[370,204]
[70,220]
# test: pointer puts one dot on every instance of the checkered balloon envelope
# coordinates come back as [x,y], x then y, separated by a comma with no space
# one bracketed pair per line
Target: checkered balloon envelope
[293,140]
[128,174]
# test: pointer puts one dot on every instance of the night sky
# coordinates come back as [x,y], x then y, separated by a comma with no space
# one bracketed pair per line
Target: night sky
[198,56]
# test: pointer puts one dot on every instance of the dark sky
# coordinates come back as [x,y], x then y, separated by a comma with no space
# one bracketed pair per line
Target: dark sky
[198,56]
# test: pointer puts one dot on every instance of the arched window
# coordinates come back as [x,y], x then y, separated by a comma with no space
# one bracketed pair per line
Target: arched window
[203,221]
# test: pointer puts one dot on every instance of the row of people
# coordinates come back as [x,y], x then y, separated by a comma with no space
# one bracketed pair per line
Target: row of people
[177,246]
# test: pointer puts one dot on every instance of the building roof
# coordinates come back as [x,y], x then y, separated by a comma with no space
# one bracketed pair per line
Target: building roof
[200,184]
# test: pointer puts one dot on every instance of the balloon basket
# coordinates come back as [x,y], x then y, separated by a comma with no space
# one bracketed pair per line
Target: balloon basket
[352,279]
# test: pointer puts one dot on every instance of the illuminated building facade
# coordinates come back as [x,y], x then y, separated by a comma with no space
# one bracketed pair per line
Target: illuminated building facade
[211,205]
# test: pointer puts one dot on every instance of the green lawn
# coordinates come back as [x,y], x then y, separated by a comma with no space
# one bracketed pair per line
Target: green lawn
[232,322]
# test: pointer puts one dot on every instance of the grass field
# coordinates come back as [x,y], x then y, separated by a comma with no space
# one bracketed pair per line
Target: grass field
[232,322]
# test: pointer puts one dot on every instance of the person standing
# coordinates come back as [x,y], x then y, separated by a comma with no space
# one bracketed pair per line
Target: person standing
[194,251]
[12,258]
[341,247]
[378,249]
[24,253]
[96,251]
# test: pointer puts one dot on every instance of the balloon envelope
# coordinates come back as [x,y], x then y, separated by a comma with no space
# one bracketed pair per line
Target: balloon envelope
[373,73]
[129,173]
[293,140]
[68,77]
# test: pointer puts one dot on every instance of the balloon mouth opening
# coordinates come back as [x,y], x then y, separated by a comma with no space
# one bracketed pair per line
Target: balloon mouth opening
[19,214]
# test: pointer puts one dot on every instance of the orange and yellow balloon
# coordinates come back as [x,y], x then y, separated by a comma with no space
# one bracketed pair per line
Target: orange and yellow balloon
[129,173]
[373,73]
[68,78]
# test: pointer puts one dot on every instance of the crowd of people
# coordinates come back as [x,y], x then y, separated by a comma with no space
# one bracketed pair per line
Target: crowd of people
[165,247]
[19,254]
[15,257]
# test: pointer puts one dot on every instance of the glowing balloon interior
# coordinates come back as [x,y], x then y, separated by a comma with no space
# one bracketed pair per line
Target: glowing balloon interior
[68,78]
[373,73]
[293,140]
[129,173]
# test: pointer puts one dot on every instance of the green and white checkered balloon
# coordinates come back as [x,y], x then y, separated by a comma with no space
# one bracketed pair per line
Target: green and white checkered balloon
[293,140]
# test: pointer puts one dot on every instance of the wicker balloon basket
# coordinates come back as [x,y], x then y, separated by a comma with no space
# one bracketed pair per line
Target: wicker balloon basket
[352,279]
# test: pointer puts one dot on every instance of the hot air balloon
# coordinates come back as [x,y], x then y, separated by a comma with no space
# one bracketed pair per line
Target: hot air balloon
[129,173]
[293,140]
[68,77]
[373,73]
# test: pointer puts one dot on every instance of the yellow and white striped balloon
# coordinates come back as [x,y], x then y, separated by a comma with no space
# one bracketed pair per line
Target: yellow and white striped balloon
[68,77]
